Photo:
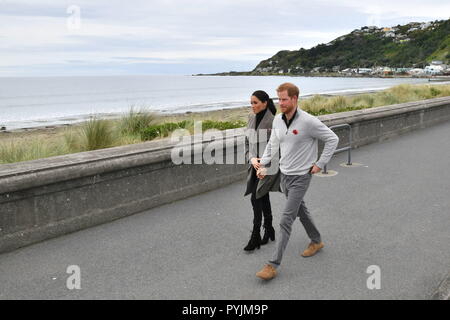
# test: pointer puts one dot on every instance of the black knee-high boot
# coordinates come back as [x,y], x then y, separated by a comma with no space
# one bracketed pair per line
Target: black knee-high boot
[255,238]
[269,231]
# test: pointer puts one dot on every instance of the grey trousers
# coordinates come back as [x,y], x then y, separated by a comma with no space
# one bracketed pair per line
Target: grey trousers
[294,187]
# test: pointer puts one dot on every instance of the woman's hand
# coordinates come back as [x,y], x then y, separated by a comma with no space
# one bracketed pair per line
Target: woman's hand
[261,173]
[255,163]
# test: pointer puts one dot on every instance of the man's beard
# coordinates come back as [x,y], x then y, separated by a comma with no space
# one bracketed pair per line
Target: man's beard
[289,109]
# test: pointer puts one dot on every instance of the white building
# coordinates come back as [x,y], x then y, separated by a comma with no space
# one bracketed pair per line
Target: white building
[433,69]
[425,25]
[364,70]
[348,71]
[416,72]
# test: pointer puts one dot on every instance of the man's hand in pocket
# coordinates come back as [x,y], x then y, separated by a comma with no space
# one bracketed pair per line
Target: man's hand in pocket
[315,169]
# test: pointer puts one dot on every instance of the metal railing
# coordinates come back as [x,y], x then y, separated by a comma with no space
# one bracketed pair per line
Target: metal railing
[347,148]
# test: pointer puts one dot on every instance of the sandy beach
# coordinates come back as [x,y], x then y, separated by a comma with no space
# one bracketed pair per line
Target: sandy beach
[229,114]
[47,132]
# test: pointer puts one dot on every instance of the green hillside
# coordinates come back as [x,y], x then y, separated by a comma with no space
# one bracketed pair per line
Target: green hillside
[412,45]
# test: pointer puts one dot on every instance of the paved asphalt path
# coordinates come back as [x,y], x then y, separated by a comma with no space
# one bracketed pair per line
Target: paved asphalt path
[393,212]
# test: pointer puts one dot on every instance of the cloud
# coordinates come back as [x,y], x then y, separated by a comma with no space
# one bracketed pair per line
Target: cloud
[398,12]
[114,35]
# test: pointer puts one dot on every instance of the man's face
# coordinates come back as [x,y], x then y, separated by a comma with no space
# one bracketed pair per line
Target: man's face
[287,104]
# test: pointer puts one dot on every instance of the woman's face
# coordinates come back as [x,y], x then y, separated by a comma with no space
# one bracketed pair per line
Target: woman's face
[257,105]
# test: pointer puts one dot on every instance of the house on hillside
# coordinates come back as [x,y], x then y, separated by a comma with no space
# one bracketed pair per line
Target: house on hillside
[364,70]
[402,70]
[434,69]
[424,25]
[348,71]
[416,72]
[385,71]
[336,68]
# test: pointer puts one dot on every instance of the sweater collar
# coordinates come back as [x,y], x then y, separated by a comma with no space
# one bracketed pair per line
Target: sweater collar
[288,123]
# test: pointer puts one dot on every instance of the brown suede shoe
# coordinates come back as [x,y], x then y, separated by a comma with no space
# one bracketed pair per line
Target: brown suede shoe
[312,249]
[267,273]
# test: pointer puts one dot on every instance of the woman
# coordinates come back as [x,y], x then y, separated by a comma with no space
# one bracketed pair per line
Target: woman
[263,114]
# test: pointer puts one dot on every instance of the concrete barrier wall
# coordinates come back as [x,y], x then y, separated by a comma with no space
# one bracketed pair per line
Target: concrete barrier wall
[46,198]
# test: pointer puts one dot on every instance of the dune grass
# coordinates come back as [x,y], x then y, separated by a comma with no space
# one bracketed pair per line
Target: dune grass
[164,129]
[319,105]
[15,151]
[94,134]
[142,125]
[132,123]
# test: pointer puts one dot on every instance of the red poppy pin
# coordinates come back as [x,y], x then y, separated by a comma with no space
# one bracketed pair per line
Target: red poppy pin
[295,131]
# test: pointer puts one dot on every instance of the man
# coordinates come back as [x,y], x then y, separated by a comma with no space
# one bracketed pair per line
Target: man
[295,133]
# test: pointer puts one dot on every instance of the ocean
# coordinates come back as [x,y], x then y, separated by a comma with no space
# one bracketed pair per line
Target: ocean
[47,101]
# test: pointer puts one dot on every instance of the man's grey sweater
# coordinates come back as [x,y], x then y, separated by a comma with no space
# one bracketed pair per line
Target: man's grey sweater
[299,144]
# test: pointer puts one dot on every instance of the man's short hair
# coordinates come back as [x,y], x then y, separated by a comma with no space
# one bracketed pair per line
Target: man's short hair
[291,89]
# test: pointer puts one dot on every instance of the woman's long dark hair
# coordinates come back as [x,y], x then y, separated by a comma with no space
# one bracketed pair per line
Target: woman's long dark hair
[264,97]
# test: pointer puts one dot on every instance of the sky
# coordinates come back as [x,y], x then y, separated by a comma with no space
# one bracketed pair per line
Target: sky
[117,37]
